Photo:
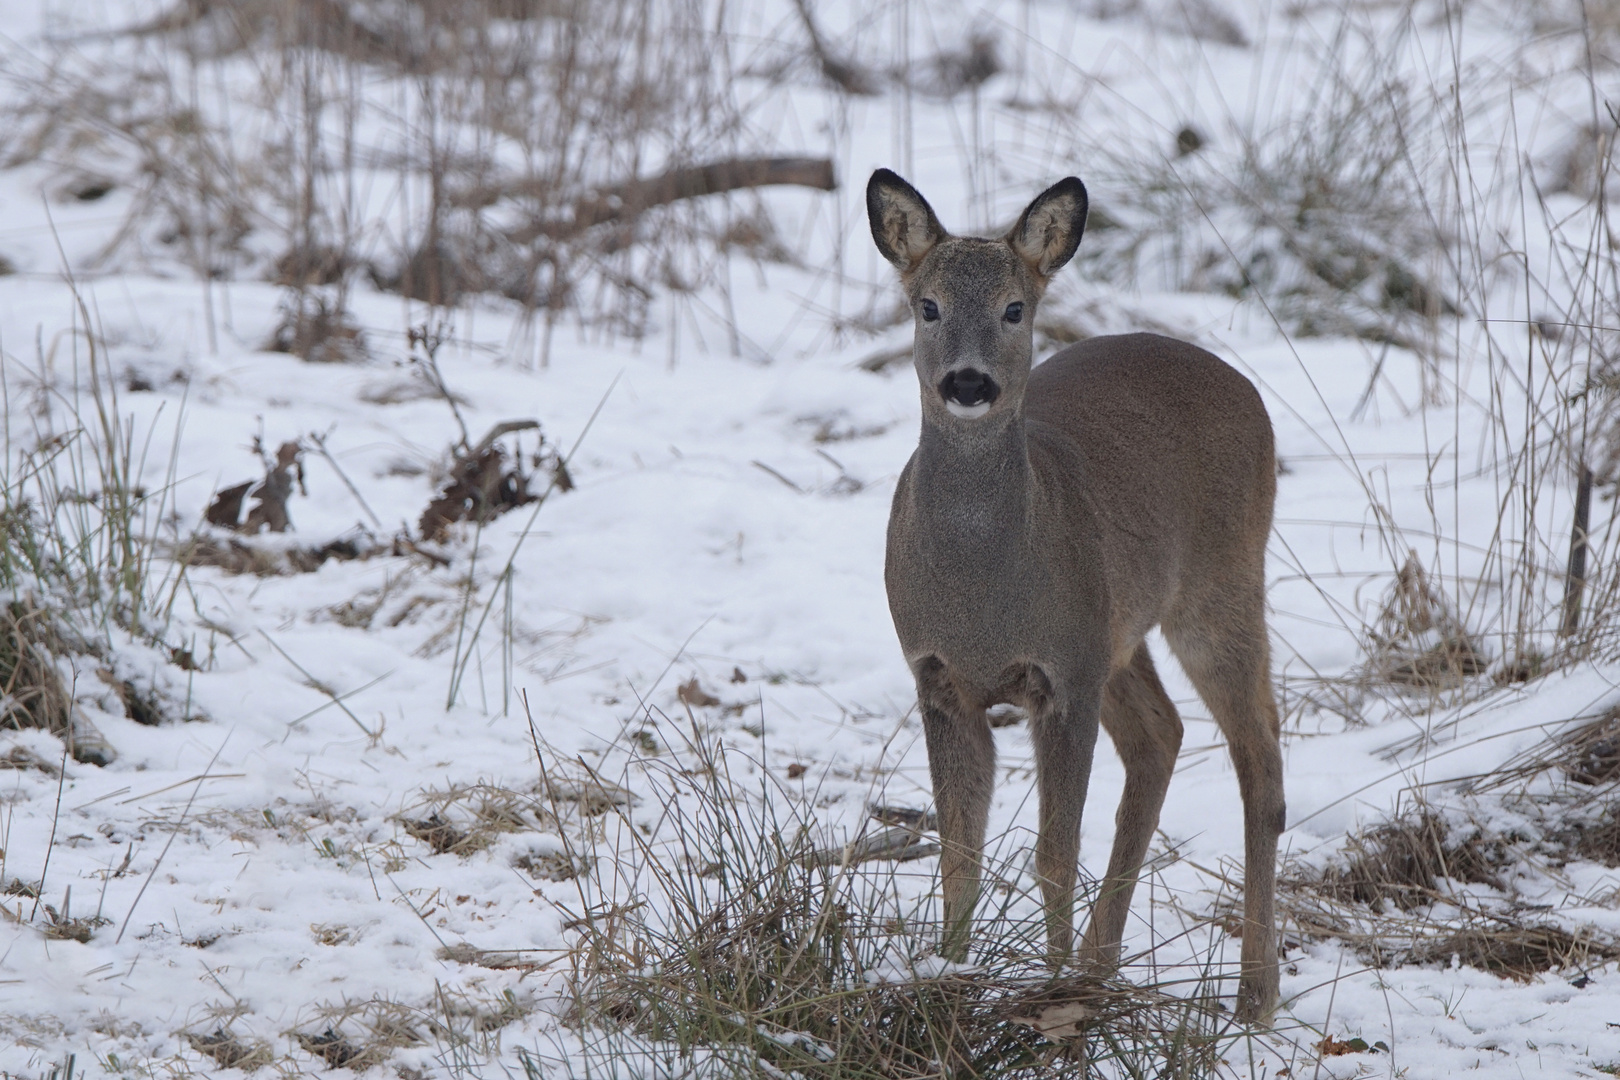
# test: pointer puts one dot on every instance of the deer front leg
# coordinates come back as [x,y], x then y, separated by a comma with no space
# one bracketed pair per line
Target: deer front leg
[1065,737]
[962,765]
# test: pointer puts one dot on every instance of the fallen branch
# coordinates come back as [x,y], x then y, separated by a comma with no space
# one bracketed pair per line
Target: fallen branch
[628,201]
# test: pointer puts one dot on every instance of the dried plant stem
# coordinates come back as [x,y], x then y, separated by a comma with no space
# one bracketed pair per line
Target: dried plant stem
[1575,579]
[56,816]
[207,770]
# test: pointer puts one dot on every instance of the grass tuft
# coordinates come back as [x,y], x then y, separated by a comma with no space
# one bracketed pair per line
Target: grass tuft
[725,940]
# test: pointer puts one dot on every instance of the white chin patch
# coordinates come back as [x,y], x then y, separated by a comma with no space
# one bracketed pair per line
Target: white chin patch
[968,412]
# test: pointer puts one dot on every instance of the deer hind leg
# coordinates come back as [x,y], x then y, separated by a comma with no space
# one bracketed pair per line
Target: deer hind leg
[1146,730]
[1227,657]
[1064,735]
[962,765]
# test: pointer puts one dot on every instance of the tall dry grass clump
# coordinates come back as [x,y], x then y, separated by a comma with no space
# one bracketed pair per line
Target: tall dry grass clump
[726,935]
[551,153]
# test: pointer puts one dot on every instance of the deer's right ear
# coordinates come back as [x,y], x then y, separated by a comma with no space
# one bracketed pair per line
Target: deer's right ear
[903,224]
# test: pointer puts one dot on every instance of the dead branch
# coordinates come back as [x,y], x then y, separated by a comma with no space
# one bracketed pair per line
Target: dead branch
[627,201]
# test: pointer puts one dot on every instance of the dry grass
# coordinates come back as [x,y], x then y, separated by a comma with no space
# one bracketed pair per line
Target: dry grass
[1585,752]
[518,115]
[1590,754]
[1400,198]
[79,572]
[31,687]
[1315,205]
[458,1026]
[1514,949]
[1417,641]
[1404,862]
[464,818]
[727,938]
[230,1052]
[1399,892]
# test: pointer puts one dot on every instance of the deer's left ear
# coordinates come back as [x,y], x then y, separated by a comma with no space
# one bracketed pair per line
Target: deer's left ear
[1048,232]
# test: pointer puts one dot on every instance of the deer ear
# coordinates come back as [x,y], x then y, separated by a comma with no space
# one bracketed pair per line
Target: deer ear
[1048,233]
[903,224]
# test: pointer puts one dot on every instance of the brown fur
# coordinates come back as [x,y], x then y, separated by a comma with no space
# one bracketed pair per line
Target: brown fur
[1124,484]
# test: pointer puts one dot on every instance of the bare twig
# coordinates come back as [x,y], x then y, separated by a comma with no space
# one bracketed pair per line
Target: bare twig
[61,778]
[842,73]
[319,440]
[463,659]
[337,699]
[766,468]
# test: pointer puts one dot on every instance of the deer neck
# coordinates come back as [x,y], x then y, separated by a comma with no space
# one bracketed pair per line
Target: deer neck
[974,485]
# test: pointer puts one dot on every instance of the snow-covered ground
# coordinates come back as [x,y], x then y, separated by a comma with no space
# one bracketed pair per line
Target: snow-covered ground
[253,859]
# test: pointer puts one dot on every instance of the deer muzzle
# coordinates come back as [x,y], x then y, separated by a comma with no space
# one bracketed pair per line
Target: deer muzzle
[968,393]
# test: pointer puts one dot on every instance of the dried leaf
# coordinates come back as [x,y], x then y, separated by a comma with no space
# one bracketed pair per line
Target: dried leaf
[1331,1047]
[690,693]
[226,509]
[484,484]
[1065,1020]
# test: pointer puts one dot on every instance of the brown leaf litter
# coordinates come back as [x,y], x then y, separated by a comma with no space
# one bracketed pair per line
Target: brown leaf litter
[692,693]
[235,556]
[486,481]
[269,496]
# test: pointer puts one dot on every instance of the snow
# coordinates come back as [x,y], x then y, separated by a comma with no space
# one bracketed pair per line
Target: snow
[253,861]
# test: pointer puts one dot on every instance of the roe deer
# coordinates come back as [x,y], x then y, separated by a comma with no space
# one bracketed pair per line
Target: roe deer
[1048,520]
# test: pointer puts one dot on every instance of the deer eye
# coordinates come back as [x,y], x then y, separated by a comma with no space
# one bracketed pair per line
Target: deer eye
[1015,312]
[930,311]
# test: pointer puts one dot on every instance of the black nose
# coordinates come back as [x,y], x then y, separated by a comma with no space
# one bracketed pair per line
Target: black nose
[969,387]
